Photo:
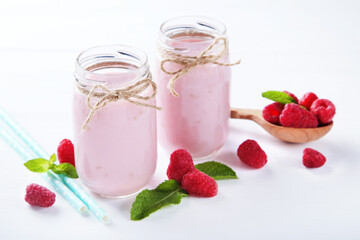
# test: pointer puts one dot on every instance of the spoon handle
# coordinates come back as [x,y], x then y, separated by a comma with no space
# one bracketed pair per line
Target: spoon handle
[251,114]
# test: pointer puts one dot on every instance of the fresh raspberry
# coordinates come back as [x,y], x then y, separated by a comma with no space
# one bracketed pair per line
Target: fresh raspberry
[313,158]
[181,163]
[65,152]
[292,95]
[308,99]
[324,110]
[251,154]
[295,116]
[272,112]
[199,184]
[37,195]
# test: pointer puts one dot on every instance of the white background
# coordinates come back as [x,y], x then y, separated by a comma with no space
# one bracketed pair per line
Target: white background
[298,46]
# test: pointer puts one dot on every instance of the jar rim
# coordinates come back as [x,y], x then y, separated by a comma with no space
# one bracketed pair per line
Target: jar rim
[116,52]
[215,25]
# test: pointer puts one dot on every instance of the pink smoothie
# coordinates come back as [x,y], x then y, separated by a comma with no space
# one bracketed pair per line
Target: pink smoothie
[197,120]
[116,154]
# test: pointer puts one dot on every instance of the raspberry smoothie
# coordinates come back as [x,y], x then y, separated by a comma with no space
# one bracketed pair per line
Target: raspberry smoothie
[116,154]
[197,120]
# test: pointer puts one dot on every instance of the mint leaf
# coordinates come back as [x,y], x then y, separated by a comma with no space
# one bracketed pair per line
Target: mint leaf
[149,201]
[65,168]
[39,165]
[53,158]
[278,96]
[216,170]
[168,185]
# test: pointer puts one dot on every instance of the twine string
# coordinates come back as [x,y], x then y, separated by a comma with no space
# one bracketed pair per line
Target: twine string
[189,62]
[106,96]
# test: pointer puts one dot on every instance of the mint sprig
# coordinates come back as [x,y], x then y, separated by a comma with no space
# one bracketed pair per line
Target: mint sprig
[170,192]
[278,96]
[41,165]
[149,201]
[216,170]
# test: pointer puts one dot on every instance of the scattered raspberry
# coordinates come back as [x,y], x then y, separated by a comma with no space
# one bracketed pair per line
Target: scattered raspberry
[295,116]
[308,99]
[272,112]
[324,110]
[199,184]
[65,152]
[251,154]
[181,163]
[313,158]
[37,195]
[293,96]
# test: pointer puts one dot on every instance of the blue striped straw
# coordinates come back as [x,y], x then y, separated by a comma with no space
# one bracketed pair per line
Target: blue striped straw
[55,182]
[93,206]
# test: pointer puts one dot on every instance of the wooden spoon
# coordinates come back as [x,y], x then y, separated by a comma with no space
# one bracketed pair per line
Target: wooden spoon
[287,134]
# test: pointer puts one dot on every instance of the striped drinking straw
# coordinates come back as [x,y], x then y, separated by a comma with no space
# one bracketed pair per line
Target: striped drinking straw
[93,206]
[27,154]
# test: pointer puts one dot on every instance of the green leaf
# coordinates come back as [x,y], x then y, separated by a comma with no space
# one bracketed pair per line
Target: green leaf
[278,96]
[39,165]
[216,170]
[168,185]
[53,158]
[149,201]
[65,168]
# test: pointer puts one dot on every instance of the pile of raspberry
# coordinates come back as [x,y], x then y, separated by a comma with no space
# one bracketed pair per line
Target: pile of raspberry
[308,112]
[193,181]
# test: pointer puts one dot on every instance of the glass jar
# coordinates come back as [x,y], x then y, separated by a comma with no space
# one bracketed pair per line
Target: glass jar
[196,119]
[115,144]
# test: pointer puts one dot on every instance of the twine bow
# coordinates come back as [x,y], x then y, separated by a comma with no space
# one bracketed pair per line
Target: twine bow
[189,62]
[108,96]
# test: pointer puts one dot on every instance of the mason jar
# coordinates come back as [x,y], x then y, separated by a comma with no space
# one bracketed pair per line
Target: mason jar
[193,78]
[114,113]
